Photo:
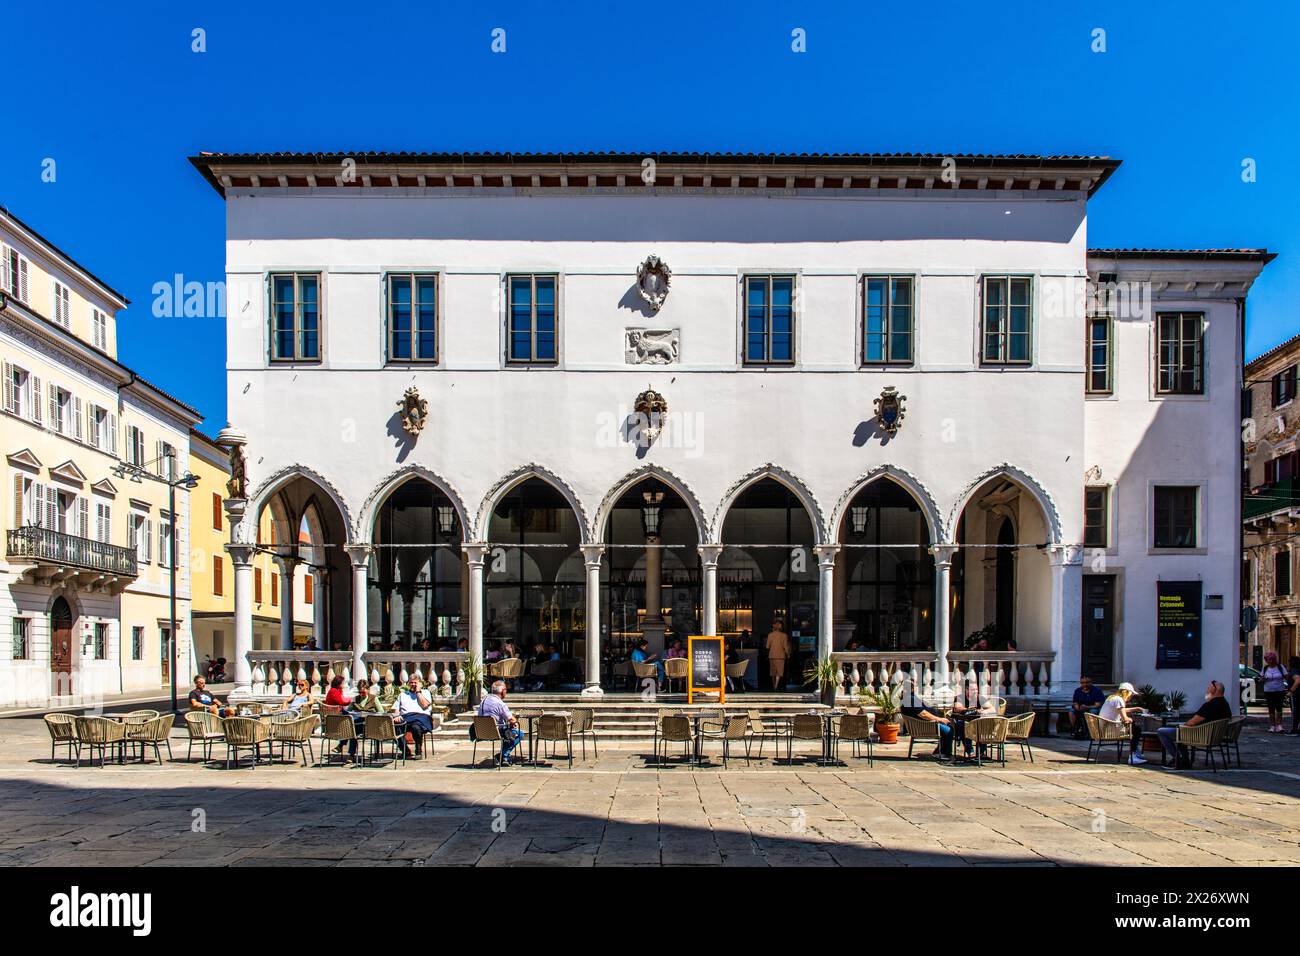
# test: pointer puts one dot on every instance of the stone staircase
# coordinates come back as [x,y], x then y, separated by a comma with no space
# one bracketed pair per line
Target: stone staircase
[626,718]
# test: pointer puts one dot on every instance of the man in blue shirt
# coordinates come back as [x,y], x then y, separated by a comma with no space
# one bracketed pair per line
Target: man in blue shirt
[1088,699]
[494,706]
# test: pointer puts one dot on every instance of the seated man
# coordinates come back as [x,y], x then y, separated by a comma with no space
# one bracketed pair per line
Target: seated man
[413,710]
[1216,707]
[494,706]
[200,699]
[1088,699]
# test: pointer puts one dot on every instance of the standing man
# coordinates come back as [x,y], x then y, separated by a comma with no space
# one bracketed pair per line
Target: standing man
[494,706]
[778,652]
[1088,699]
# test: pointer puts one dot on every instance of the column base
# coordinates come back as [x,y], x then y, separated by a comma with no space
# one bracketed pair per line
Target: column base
[593,692]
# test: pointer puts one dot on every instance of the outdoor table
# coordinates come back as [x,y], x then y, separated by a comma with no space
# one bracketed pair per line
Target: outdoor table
[828,741]
[531,716]
[696,717]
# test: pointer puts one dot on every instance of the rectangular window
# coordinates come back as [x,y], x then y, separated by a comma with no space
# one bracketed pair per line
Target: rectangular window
[257,585]
[1284,384]
[101,641]
[21,648]
[100,324]
[533,330]
[769,320]
[275,589]
[295,317]
[134,446]
[1281,468]
[138,536]
[216,511]
[1008,320]
[62,305]
[308,584]
[18,399]
[137,643]
[13,273]
[412,318]
[1179,353]
[1099,357]
[1282,573]
[165,541]
[1096,517]
[1175,516]
[218,584]
[887,320]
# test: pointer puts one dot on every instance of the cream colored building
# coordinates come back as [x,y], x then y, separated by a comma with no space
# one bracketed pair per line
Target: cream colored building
[213,605]
[84,575]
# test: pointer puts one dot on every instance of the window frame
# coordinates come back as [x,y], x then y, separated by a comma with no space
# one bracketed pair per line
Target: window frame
[414,276]
[767,361]
[137,642]
[889,279]
[1089,368]
[1199,371]
[533,362]
[1277,393]
[102,635]
[982,343]
[1104,490]
[1282,559]
[218,577]
[1155,532]
[298,358]
[62,305]
[20,636]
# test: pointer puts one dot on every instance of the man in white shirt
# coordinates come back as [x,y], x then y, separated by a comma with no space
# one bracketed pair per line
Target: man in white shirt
[414,709]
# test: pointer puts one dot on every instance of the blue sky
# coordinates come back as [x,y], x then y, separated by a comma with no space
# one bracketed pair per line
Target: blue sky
[112,92]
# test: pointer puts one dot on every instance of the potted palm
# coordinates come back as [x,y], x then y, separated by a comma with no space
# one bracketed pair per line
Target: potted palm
[471,674]
[826,674]
[887,701]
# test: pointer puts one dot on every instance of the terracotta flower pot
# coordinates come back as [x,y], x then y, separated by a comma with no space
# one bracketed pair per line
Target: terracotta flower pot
[888,733]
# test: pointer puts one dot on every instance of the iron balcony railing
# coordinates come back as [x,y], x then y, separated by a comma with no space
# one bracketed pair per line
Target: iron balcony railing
[55,547]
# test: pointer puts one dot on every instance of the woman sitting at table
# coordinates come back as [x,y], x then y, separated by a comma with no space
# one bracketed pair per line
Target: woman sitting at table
[414,709]
[365,702]
[335,696]
[300,698]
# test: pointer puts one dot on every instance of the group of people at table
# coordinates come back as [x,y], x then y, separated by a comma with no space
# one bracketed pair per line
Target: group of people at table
[1089,699]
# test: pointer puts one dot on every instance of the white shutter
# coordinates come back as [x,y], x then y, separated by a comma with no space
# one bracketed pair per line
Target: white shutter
[20,492]
[158,456]
[38,503]
[112,434]
[51,508]
[9,389]
[92,433]
[4,267]
[146,539]
[35,389]
[83,518]
[77,432]
[22,278]
[54,407]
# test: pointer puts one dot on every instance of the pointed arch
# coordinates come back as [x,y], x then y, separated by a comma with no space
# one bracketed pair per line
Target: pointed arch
[792,483]
[905,479]
[366,517]
[519,475]
[277,480]
[634,477]
[1051,517]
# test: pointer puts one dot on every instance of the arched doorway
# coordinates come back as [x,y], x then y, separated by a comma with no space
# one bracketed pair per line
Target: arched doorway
[534,587]
[61,647]
[652,547]
[416,576]
[767,572]
[888,583]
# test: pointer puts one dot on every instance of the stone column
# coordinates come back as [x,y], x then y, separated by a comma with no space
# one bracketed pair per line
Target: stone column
[825,598]
[1067,610]
[359,555]
[652,627]
[591,559]
[286,564]
[475,558]
[943,555]
[241,559]
[709,555]
[320,606]
[844,627]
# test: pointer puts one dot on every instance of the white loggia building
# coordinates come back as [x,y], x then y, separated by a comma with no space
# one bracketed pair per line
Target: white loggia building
[869,395]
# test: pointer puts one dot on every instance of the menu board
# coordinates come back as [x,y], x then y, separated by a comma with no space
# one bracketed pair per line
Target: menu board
[1178,625]
[707,672]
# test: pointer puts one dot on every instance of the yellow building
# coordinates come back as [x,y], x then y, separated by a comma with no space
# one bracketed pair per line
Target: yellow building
[84,576]
[213,602]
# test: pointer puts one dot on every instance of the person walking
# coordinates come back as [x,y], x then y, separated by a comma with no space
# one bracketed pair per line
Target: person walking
[778,652]
[1276,683]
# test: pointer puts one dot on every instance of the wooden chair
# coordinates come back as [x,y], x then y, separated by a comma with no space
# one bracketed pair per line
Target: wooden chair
[803,727]
[102,734]
[675,729]
[675,669]
[156,733]
[205,729]
[1018,729]
[1208,737]
[245,733]
[855,728]
[990,732]
[295,735]
[338,729]
[553,728]
[63,730]
[1102,732]
[484,730]
[584,726]
[918,730]
[381,731]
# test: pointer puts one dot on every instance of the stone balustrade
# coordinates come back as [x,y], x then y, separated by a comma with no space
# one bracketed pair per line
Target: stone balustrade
[441,671]
[995,673]
[275,672]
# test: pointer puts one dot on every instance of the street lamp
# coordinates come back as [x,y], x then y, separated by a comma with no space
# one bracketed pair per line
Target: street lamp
[137,473]
[650,512]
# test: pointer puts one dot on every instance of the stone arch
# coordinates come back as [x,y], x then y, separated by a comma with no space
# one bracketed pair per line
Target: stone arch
[522,474]
[630,480]
[905,479]
[1051,516]
[277,480]
[366,517]
[792,483]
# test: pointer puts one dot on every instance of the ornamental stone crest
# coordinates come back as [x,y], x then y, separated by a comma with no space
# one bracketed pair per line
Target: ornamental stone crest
[890,410]
[415,411]
[651,409]
[653,277]
[652,346]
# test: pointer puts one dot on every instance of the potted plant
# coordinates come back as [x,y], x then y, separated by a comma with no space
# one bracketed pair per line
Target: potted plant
[887,701]
[826,674]
[471,675]
[1177,700]
[1149,699]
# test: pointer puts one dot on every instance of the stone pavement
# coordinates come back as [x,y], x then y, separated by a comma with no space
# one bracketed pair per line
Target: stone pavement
[615,811]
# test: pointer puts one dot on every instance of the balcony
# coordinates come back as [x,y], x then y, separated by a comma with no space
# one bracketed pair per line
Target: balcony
[57,558]
[1262,504]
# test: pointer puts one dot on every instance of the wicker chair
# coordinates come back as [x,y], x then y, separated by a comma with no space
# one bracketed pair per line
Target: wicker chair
[762,731]
[675,669]
[553,728]
[1102,732]
[1232,741]
[584,726]
[63,730]
[380,731]
[509,670]
[736,675]
[155,733]
[855,728]
[675,729]
[295,735]
[734,727]
[999,702]
[253,708]
[659,725]
[339,729]
[484,730]
[803,727]
[1208,737]
[545,672]
[623,670]
[245,733]
[1018,729]
[918,730]
[641,671]
[988,732]
[102,734]
[205,730]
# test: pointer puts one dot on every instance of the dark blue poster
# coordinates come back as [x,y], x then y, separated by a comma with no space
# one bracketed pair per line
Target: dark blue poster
[1178,624]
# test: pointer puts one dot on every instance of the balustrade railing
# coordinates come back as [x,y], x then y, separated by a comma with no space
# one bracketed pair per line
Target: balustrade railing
[55,547]
[441,671]
[993,673]
[276,672]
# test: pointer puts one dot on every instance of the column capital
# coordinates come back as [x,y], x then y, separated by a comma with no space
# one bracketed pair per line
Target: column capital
[475,552]
[826,554]
[358,554]
[241,554]
[285,562]
[1059,555]
[710,554]
[592,554]
[943,553]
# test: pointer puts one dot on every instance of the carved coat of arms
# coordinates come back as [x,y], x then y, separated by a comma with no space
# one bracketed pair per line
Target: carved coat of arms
[651,409]
[415,411]
[653,278]
[890,410]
